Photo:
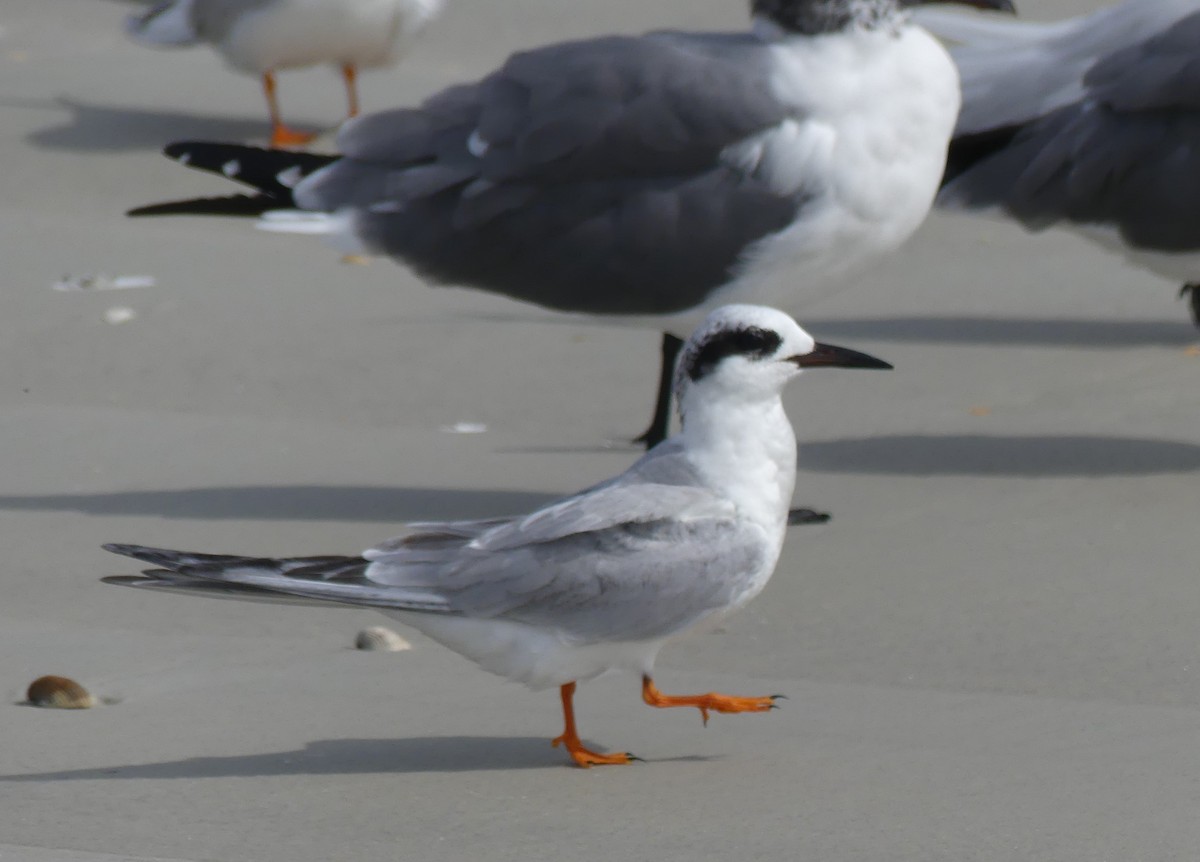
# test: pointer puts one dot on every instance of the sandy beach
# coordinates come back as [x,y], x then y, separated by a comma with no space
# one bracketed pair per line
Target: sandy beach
[990,653]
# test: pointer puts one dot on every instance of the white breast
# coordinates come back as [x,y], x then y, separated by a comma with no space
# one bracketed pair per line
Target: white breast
[537,657]
[875,111]
[293,33]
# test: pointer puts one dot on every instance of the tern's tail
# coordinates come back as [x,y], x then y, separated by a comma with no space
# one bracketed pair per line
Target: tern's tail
[165,24]
[324,579]
[271,173]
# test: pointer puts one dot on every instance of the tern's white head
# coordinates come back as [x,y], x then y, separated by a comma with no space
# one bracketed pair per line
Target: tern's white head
[730,377]
[747,353]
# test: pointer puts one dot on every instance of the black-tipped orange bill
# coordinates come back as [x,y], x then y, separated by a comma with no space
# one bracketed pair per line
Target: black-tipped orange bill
[832,356]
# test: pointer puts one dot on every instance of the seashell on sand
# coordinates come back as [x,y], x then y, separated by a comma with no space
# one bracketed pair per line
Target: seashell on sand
[380,639]
[58,692]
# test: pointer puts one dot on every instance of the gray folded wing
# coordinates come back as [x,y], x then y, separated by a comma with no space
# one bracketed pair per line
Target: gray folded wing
[625,561]
[614,175]
[1126,154]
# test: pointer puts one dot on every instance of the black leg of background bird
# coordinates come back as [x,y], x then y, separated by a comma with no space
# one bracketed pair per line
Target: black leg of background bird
[1191,292]
[657,432]
[797,517]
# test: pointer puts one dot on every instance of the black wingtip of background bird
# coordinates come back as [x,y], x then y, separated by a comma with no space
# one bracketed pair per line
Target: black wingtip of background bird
[258,167]
[227,205]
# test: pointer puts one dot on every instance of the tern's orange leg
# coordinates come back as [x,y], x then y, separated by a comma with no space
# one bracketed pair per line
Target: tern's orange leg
[281,135]
[350,76]
[571,742]
[705,702]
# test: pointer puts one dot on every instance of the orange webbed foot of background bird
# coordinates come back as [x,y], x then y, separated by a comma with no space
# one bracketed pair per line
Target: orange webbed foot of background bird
[281,135]
[284,137]
[704,702]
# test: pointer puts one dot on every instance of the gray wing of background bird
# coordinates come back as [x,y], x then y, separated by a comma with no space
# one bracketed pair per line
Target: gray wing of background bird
[1124,152]
[630,559]
[1014,71]
[213,20]
[619,174]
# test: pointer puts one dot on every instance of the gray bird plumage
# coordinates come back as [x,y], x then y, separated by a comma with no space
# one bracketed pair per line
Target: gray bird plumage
[571,564]
[643,178]
[628,559]
[605,178]
[214,20]
[1127,154]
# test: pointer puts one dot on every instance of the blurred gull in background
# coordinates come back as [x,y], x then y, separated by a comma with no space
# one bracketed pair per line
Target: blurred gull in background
[1091,123]
[261,37]
[644,179]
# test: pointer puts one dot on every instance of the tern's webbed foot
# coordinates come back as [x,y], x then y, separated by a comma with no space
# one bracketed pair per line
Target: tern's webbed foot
[570,740]
[585,757]
[723,703]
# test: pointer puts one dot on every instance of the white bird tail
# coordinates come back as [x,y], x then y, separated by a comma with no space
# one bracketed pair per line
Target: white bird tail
[325,579]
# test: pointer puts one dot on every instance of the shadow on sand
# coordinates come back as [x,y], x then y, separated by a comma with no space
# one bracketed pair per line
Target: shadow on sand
[112,128]
[348,757]
[1000,455]
[1014,331]
[291,502]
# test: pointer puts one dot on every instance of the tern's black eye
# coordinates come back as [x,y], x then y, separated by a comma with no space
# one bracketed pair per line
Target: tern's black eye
[751,342]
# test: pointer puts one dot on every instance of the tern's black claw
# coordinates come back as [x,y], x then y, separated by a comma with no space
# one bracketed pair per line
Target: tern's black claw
[807,516]
[778,696]
[633,758]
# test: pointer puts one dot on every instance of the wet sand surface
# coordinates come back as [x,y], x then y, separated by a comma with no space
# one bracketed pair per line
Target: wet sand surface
[990,652]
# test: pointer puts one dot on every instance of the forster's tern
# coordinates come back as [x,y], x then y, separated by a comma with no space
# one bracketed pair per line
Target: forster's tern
[603,579]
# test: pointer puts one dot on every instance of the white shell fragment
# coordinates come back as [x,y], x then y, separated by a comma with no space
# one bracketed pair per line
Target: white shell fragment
[380,639]
[465,428]
[119,314]
[58,692]
[103,282]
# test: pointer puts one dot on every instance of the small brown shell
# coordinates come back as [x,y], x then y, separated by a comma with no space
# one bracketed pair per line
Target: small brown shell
[58,692]
[381,639]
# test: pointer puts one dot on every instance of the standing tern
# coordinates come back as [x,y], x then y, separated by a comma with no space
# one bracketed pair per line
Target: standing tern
[1092,123]
[603,579]
[643,179]
[261,37]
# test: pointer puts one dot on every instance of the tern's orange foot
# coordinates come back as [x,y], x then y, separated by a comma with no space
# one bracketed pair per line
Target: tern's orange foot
[723,703]
[571,742]
[584,757]
[284,137]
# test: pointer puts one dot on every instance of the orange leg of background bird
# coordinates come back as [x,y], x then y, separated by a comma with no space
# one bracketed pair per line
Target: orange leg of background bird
[281,135]
[350,76]
[705,702]
[570,737]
